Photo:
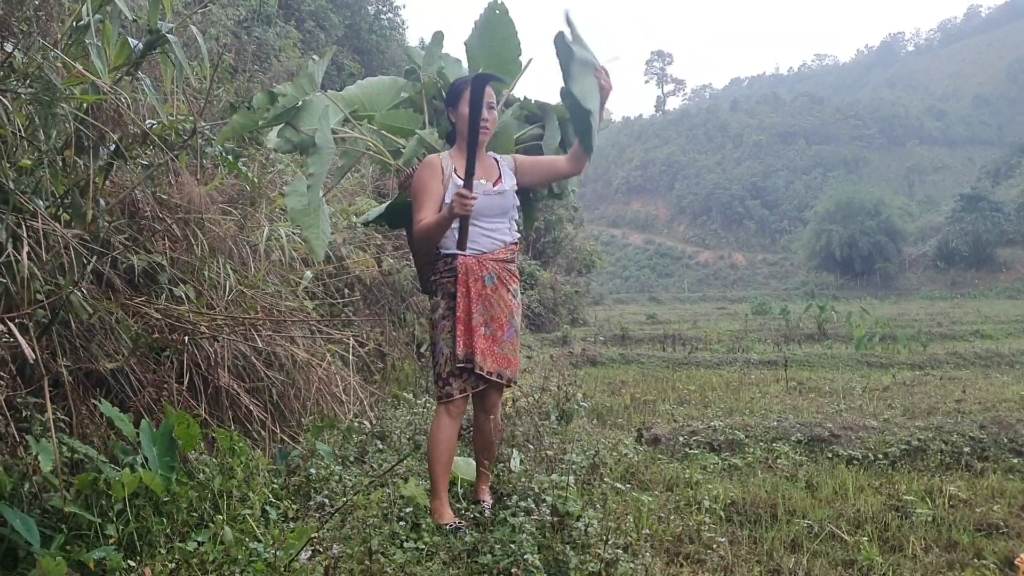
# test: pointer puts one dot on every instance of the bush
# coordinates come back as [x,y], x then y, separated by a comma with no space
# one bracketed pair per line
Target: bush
[977,225]
[145,264]
[854,232]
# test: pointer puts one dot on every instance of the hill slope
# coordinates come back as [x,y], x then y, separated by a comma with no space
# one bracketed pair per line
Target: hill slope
[916,115]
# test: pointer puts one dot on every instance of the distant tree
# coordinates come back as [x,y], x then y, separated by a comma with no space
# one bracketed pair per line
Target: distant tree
[854,232]
[656,70]
[977,225]
[702,92]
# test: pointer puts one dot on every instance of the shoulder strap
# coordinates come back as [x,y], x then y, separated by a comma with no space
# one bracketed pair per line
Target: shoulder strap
[510,161]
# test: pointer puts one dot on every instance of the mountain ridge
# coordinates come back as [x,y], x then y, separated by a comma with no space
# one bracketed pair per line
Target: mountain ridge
[923,117]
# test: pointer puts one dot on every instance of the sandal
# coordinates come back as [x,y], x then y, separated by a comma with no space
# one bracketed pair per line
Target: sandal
[488,507]
[455,527]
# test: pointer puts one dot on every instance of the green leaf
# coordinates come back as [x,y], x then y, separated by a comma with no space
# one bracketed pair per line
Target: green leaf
[431,62]
[44,453]
[349,155]
[370,96]
[503,141]
[154,98]
[186,430]
[63,504]
[49,566]
[203,50]
[395,214]
[493,45]
[153,482]
[431,143]
[530,205]
[96,52]
[304,196]
[400,122]
[464,469]
[310,79]
[414,492]
[415,56]
[298,132]
[181,63]
[119,419]
[125,485]
[552,132]
[22,524]
[99,554]
[297,540]
[451,69]
[580,93]
[326,452]
[159,447]
[154,14]
[124,9]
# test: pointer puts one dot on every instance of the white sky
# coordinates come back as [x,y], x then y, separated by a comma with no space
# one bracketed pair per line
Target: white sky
[712,41]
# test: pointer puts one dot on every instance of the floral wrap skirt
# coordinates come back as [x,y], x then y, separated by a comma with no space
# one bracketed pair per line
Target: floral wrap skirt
[475,318]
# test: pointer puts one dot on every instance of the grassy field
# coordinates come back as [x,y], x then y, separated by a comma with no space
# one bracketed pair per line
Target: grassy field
[700,439]
[786,451]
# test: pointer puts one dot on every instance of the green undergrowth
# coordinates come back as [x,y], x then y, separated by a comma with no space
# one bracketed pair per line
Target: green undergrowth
[607,467]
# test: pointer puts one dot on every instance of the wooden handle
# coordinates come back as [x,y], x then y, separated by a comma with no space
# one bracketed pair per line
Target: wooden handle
[462,241]
[477,85]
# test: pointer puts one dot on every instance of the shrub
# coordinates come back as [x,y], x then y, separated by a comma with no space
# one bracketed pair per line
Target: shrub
[854,232]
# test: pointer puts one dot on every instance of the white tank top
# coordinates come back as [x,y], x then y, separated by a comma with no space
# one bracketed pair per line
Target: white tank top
[495,220]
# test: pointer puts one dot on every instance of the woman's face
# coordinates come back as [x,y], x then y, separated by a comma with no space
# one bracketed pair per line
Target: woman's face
[488,119]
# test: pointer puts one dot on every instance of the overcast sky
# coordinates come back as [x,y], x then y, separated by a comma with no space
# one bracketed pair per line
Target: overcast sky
[712,41]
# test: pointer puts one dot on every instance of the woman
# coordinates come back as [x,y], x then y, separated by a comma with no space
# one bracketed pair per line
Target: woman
[474,301]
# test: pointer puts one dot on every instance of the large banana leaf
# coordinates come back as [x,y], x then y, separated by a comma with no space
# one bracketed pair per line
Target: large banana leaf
[493,45]
[580,94]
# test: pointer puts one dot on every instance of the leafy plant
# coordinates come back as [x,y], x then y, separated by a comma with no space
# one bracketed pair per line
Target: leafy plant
[824,313]
[395,121]
[761,307]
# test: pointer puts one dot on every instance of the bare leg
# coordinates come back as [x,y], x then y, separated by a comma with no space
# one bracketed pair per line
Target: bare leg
[486,432]
[442,442]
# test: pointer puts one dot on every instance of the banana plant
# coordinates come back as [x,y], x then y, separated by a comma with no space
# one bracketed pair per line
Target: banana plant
[395,121]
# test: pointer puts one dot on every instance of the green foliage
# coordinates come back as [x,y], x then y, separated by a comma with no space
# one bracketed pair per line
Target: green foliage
[558,257]
[977,225]
[368,36]
[762,307]
[397,120]
[739,166]
[854,232]
[342,496]
[824,313]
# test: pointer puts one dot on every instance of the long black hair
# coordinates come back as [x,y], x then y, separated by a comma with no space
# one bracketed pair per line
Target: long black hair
[454,96]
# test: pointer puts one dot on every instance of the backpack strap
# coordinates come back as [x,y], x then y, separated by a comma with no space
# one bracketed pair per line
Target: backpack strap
[447,169]
[424,260]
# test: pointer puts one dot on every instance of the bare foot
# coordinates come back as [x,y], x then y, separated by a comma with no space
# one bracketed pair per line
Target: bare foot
[442,514]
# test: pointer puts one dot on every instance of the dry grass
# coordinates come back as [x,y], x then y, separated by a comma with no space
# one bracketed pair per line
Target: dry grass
[173,279]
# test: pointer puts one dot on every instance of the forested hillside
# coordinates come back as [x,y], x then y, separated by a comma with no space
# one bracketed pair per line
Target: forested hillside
[917,117]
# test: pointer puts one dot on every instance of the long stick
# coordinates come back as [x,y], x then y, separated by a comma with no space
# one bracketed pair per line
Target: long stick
[477,87]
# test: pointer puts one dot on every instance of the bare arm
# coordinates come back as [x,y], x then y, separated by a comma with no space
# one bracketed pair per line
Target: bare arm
[540,171]
[429,222]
